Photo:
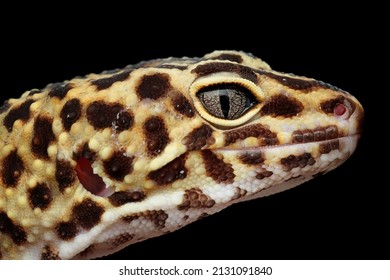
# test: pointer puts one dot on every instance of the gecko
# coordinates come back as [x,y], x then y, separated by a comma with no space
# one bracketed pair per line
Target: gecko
[93,164]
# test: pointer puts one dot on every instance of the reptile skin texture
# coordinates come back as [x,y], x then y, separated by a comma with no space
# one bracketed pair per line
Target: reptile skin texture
[91,165]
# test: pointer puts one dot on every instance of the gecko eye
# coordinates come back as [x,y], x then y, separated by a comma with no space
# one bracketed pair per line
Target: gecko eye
[228,102]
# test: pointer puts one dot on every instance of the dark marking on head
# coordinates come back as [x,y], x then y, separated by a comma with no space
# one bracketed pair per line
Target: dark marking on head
[251,157]
[174,170]
[263,174]
[216,168]
[239,193]
[195,198]
[107,82]
[157,217]
[298,83]
[60,90]
[22,112]
[70,113]
[327,147]
[4,107]
[120,240]
[42,137]
[215,67]
[118,166]
[153,86]
[281,105]
[49,253]
[87,214]
[173,66]
[266,136]
[300,161]
[67,230]
[122,197]
[183,106]
[198,138]
[40,196]
[12,229]
[156,135]
[229,56]
[11,169]
[34,91]
[65,175]
[101,115]
[85,152]
[319,134]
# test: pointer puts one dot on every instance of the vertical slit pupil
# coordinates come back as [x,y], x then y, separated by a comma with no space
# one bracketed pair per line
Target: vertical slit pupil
[225,104]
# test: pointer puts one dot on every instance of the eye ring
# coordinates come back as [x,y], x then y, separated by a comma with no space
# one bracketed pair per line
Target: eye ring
[227,102]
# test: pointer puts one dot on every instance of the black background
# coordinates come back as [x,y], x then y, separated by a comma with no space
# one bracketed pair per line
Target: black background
[341,215]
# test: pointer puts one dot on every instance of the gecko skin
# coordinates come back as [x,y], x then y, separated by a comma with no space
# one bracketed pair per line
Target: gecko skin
[96,163]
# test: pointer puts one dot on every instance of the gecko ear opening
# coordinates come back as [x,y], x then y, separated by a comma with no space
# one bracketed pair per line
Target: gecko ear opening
[91,181]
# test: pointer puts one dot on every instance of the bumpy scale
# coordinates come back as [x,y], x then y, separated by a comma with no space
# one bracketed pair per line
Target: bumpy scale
[96,163]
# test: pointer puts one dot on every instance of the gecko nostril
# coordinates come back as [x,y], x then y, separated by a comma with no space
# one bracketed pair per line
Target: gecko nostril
[91,181]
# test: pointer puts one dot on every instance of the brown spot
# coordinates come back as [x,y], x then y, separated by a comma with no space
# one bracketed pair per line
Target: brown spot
[70,113]
[85,152]
[105,83]
[67,230]
[251,157]
[173,66]
[264,174]
[281,105]
[215,67]
[183,106]
[60,90]
[65,175]
[118,166]
[331,132]
[42,137]
[172,171]
[11,169]
[12,229]
[49,253]
[228,56]
[257,130]
[122,197]
[40,196]
[327,147]
[101,115]
[87,214]
[22,112]
[153,86]
[239,193]
[198,138]
[157,217]
[216,168]
[120,239]
[4,107]
[301,161]
[156,135]
[195,198]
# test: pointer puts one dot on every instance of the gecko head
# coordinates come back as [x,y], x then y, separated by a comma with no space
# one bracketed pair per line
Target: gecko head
[115,158]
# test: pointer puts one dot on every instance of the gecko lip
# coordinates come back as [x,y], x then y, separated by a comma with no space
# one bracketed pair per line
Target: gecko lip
[354,138]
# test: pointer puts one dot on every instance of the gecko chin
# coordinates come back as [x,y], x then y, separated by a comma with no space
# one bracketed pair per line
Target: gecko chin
[91,181]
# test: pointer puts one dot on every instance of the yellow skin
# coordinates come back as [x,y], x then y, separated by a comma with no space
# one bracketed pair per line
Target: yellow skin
[169,141]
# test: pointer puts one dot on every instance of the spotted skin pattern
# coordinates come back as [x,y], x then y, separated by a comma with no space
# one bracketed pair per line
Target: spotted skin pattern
[169,141]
